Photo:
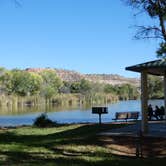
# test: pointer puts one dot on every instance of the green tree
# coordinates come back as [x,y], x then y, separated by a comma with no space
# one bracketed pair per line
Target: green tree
[48,92]
[51,83]
[97,88]
[6,82]
[34,81]
[133,92]
[127,91]
[110,89]
[21,82]
[85,86]
[155,9]
[123,92]
[75,87]
[66,88]
[155,87]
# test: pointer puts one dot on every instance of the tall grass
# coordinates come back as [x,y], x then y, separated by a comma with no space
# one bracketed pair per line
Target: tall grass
[18,103]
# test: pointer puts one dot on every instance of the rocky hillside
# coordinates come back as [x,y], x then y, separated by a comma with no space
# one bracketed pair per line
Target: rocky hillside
[70,76]
[73,76]
[112,79]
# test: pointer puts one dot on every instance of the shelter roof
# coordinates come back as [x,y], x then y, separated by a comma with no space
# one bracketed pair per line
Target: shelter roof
[157,67]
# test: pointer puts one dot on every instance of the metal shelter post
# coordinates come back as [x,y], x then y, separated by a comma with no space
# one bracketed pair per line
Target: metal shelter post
[144,101]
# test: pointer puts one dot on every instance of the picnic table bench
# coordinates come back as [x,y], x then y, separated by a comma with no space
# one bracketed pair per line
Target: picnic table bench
[126,116]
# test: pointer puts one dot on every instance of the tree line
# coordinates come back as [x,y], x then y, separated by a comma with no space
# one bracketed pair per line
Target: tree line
[47,84]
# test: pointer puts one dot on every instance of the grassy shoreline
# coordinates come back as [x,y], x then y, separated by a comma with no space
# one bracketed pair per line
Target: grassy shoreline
[64,145]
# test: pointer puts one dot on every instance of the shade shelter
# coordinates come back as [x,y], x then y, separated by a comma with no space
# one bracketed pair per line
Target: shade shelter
[158,68]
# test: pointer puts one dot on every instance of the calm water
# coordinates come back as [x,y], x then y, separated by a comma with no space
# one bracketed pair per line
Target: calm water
[69,115]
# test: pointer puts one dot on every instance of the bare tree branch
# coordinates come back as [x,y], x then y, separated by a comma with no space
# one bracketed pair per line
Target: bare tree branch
[155,9]
[148,32]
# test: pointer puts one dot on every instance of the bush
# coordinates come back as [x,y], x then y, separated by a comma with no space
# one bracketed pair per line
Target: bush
[44,121]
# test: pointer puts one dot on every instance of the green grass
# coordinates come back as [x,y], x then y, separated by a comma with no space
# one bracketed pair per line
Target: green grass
[68,145]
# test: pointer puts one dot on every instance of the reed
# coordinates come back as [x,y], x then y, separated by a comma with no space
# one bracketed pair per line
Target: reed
[19,103]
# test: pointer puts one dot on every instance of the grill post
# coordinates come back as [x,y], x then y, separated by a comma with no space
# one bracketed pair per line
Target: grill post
[99,111]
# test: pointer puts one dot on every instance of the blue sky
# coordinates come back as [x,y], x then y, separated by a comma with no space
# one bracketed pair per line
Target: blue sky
[89,36]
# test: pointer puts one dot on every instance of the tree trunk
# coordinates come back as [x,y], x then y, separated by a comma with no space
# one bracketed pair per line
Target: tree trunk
[161,19]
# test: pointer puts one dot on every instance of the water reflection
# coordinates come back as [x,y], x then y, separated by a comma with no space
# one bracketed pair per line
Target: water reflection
[41,108]
[66,114]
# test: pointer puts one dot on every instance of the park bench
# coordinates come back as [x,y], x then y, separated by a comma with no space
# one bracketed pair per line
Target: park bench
[126,116]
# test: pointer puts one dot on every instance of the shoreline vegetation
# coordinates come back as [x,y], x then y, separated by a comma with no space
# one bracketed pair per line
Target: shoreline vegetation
[43,88]
[35,88]
[58,100]
[19,103]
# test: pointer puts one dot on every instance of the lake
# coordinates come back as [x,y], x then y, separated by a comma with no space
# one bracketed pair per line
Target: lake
[69,114]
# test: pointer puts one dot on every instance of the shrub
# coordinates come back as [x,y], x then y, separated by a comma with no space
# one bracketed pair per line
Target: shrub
[44,121]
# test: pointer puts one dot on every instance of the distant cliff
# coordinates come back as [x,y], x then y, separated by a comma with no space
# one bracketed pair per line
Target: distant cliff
[112,79]
[73,76]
